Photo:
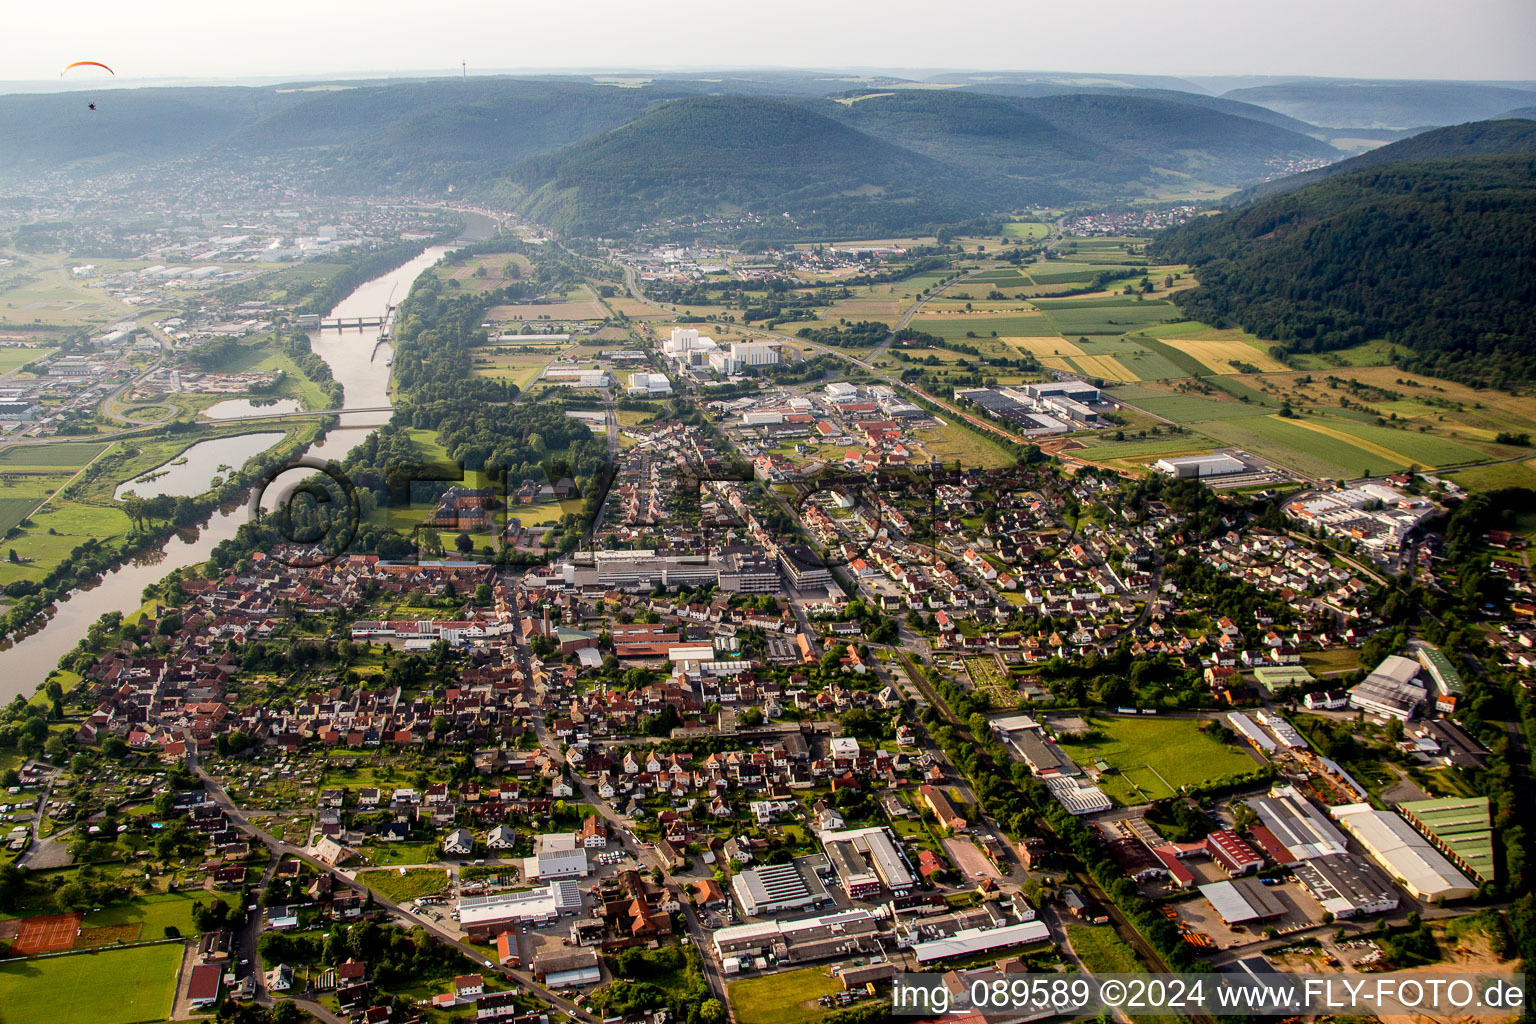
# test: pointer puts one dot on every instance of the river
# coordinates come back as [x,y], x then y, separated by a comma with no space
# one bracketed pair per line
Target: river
[365,379]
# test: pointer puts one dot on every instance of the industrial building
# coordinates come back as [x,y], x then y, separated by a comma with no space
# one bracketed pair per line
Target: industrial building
[1404,854]
[557,855]
[1242,900]
[755,353]
[1391,690]
[1447,681]
[1078,796]
[1232,853]
[979,940]
[1459,827]
[649,384]
[1293,828]
[1249,730]
[1346,886]
[483,917]
[865,859]
[774,888]
[1198,467]
[844,933]
[1074,389]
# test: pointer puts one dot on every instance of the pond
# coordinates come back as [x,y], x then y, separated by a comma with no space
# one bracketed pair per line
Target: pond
[234,408]
[192,472]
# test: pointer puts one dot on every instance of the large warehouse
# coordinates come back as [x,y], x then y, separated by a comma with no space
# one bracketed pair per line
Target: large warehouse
[1293,828]
[1242,900]
[978,940]
[1186,467]
[1345,886]
[1404,854]
[773,888]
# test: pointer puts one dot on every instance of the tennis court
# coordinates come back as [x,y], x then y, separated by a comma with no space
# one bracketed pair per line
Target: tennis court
[48,934]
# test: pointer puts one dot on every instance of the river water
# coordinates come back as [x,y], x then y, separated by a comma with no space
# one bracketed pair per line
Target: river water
[364,375]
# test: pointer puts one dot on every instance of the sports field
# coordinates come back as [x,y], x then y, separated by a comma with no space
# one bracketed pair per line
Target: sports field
[47,934]
[117,986]
[786,997]
[1152,757]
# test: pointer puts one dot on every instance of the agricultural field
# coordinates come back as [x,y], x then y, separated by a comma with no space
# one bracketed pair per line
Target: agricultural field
[1108,315]
[116,986]
[517,367]
[1184,409]
[1218,350]
[579,303]
[1151,758]
[1025,230]
[1310,452]
[962,327]
[784,997]
[35,290]
[15,356]
[31,475]
[479,274]
[1492,478]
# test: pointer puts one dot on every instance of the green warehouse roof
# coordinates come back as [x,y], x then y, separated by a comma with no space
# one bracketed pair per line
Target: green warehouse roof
[1460,826]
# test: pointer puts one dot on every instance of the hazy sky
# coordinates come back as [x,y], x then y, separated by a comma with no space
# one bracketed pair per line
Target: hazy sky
[156,39]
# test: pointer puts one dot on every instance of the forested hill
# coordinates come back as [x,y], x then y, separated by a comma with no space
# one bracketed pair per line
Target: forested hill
[893,161]
[1432,255]
[703,156]
[1477,138]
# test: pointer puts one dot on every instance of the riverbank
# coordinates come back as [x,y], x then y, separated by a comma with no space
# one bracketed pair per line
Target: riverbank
[365,381]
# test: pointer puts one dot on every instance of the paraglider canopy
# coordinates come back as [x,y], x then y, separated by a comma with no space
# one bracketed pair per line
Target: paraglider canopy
[88,64]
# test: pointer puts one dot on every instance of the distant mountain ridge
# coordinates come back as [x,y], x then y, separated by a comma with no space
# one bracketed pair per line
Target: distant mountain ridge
[1356,104]
[1477,138]
[914,154]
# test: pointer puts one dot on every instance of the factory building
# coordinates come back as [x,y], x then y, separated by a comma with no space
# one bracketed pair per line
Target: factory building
[1293,828]
[1198,467]
[1391,691]
[774,888]
[1345,886]
[1404,854]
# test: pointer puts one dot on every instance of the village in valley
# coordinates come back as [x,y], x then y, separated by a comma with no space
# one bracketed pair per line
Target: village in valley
[720,633]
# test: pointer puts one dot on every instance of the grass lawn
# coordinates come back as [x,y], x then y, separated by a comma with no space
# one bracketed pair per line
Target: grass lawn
[416,882]
[786,997]
[111,987]
[1153,757]
[1102,951]
[153,913]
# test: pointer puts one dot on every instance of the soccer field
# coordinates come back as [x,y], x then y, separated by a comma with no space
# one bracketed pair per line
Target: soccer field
[1153,757]
[111,987]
